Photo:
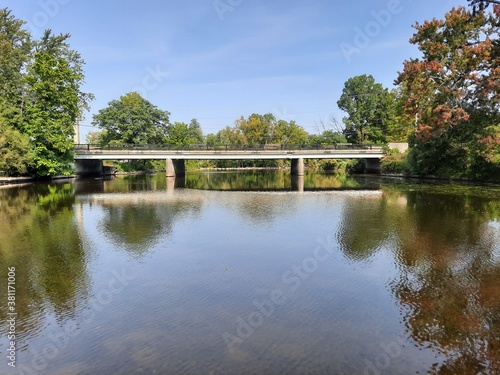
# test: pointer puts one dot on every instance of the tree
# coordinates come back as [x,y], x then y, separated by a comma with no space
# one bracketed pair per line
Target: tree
[95,138]
[16,154]
[257,130]
[232,137]
[179,134]
[289,134]
[366,103]
[453,94]
[212,140]
[195,132]
[399,126]
[132,120]
[54,103]
[15,53]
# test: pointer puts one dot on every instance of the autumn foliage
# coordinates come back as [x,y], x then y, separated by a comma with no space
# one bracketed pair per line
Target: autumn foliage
[453,93]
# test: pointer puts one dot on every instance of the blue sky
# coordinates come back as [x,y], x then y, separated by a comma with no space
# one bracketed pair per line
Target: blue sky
[216,60]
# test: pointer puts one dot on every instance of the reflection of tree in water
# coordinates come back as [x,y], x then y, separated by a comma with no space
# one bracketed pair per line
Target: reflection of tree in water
[365,225]
[263,208]
[240,181]
[127,183]
[329,181]
[39,236]
[449,282]
[267,180]
[138,227]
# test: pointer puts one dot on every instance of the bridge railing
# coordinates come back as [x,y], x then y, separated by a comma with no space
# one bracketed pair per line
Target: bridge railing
[207,147]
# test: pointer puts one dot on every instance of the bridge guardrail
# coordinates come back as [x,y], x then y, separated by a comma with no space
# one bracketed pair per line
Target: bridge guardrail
[205,147]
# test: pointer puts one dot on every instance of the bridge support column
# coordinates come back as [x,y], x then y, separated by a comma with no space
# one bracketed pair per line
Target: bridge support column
[298,167]
[175,168]
[372,166]
[298,183]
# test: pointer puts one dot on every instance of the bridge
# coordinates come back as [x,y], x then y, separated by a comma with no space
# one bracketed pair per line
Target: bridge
[89,158]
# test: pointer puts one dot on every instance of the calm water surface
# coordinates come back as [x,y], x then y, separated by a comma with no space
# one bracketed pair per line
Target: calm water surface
[252,273]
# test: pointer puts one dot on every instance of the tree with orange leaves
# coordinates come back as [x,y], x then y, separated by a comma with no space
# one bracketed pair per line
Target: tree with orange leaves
[453,94]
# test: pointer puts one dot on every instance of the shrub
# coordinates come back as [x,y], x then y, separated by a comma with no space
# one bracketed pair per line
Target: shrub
[394,163]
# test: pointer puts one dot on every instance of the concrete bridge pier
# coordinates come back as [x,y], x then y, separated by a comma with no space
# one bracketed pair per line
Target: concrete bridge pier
[175,183]
[175,168]
[298,167]
[298,183]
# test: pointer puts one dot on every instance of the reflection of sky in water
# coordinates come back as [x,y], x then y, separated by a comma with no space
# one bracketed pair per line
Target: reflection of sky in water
[197,263]
[495,226]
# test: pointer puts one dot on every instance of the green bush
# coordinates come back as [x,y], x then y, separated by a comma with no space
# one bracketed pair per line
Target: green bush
[394,163]
[355,166]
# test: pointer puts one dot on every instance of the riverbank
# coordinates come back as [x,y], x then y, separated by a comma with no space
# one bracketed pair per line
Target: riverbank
[6,181]
[439,178]
[15,180]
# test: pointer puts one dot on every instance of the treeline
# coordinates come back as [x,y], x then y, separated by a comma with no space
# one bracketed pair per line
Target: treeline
[445,104]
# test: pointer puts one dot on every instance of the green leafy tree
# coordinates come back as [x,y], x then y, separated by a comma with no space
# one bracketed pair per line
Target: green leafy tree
[16,154]
[15,53]
[399,126]
[232,137]
[327,138]
[195,132]
[289,134]
[95,138]
[133,120]
[212,140]
[257,130]
[54,104]
[179,134]
[366,103]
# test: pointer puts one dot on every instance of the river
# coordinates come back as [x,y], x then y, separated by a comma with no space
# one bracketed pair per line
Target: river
[250,273]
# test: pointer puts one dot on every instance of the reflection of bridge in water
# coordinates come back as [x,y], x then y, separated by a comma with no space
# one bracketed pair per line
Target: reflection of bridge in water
[89,158]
